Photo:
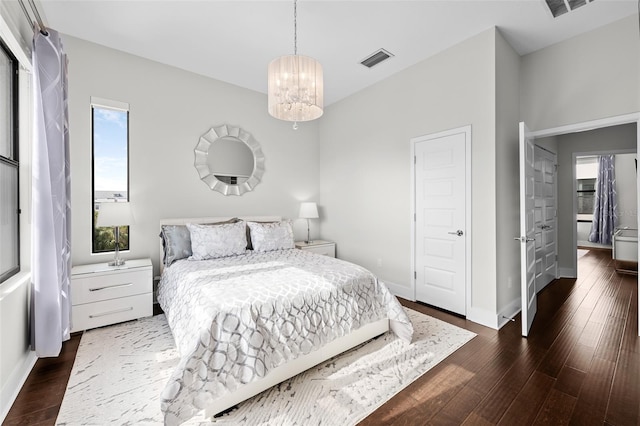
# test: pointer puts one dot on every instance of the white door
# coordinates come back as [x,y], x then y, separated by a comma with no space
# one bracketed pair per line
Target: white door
[545,217]
[440,234]
[527,229]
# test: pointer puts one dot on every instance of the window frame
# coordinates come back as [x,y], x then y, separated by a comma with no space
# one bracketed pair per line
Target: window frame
[14,161]
[114,106]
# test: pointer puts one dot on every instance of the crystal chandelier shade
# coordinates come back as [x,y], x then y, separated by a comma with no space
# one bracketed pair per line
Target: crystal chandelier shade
[295,87]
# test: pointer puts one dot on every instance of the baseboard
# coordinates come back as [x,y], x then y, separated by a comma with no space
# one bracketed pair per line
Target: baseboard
[15,382]
[482,317]
[509,311]
[400,290]
[567,273]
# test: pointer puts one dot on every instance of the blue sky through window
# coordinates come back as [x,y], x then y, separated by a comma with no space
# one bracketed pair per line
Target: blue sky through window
[110,150]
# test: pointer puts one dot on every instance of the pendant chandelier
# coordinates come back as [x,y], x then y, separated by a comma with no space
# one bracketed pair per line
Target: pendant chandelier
[295,84]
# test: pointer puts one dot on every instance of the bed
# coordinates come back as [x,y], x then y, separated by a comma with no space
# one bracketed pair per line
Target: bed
[247,321]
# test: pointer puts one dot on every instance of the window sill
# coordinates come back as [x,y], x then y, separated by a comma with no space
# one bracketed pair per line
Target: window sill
[13,283]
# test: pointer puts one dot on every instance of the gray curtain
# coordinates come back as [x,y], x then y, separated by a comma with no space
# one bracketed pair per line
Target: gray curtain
[51,204]
[605,211]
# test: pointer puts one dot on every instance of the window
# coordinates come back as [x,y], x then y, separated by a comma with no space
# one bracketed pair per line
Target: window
[586,195]
[9,166]
[110,167]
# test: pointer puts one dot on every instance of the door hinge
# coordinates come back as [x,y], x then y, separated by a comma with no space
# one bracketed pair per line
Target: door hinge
[414,217]
[415,275]
[415,160]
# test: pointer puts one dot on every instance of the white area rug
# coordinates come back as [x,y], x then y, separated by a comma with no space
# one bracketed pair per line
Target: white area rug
[120,371]
[582,252]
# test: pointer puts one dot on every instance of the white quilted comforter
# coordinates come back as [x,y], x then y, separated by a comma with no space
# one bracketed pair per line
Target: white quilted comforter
[235,318]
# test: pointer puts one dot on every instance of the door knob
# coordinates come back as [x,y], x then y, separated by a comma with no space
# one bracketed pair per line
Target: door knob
[459,233]
[524,239]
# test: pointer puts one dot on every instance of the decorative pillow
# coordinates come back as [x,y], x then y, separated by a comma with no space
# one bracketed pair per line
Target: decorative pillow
[249,245]
[176,241]
[211,242]
[271,236]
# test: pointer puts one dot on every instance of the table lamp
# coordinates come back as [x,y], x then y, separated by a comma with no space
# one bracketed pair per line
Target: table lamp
[308,211]
[115,215]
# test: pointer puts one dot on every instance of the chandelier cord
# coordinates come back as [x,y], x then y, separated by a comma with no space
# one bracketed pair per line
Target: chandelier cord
[295,27]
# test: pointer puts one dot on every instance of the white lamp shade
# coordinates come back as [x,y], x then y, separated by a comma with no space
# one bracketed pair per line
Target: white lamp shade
[308,211]
[115,214]
[295,88]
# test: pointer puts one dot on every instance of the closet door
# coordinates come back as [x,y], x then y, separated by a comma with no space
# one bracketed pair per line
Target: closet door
[441,233]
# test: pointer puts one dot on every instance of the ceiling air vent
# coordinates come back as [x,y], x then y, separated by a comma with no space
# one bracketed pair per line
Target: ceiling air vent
[376,58]
[560,7]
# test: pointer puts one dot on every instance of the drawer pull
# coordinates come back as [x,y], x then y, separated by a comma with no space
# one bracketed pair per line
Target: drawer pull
[117,311]
[110,286]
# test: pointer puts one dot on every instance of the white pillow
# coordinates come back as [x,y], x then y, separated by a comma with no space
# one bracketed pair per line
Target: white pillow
[271,236]
[211,242]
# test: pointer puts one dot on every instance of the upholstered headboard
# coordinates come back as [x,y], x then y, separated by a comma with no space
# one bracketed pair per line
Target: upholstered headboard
[184,221]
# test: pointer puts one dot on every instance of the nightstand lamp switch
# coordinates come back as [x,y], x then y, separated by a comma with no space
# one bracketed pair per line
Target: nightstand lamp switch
[308,211]
[115,214]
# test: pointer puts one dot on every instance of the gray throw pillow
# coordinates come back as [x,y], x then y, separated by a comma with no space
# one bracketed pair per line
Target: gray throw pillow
[176,241]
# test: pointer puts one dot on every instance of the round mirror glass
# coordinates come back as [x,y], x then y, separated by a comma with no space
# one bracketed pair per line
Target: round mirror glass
[229,160]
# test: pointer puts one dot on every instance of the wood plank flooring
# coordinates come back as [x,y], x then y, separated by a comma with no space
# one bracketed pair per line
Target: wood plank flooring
[579,366]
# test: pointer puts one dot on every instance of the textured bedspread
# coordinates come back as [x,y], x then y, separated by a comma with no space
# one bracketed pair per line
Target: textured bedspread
[236,318]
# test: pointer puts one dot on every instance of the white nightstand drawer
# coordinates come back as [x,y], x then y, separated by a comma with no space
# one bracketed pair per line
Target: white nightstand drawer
[93,288]
[326,250]
[112,311]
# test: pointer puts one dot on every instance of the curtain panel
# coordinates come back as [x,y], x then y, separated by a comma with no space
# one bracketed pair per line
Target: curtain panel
[605,211]
[51,204]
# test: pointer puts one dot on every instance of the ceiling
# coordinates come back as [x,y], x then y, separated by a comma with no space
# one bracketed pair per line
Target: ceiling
[234,41]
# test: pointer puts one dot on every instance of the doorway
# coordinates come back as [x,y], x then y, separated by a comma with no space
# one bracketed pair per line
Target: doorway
[568,245]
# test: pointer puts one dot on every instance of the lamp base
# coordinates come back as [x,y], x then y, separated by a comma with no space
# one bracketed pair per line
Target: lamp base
[309,240]
[117,262]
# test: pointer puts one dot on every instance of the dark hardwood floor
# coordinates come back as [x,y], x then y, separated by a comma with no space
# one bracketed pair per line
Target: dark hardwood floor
[579,366]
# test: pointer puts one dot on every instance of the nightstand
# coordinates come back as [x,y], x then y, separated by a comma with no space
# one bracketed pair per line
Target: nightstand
[103,295]
[326,248]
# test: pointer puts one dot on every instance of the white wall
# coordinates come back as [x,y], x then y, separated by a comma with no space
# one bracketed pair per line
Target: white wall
[365,163]
[507,180]
[16,357]
[588,77]
[169,110]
